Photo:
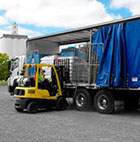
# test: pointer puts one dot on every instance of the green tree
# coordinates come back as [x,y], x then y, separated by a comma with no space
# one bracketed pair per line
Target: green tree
[4,72]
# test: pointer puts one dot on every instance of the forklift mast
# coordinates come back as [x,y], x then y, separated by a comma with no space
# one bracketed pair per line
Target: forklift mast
[62,67]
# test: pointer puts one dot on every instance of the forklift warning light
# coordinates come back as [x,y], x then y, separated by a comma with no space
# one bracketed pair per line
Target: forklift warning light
[58,60]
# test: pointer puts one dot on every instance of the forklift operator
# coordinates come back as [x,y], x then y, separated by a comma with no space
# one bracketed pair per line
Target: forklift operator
[40,78]
[42,82]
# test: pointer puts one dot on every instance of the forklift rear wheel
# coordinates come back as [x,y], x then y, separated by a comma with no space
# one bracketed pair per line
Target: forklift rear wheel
[61,103]
[19,110]
[32,107]
[104,102]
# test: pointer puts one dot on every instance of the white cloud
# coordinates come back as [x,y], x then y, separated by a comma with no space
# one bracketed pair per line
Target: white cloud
[132,5]
[3,32]
[30,33]
[55,13]
[3,20]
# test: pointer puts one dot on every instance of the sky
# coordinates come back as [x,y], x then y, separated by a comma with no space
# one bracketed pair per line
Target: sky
[42,17]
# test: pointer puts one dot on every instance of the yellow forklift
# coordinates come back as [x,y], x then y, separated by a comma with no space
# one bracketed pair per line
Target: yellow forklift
[40,87]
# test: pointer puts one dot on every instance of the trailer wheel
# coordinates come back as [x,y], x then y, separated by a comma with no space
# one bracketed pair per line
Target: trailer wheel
[32,107]
[104,102]
[61,103]
[82,100]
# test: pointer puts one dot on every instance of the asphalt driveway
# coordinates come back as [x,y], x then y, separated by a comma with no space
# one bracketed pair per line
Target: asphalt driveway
[65,126]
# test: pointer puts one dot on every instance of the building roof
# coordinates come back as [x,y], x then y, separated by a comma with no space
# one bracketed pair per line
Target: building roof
[14,36]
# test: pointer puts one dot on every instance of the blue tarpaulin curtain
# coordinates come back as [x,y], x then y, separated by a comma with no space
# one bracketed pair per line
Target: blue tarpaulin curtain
[121,56]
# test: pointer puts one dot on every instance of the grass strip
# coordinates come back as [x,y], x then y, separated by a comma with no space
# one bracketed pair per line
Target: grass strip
[3,83]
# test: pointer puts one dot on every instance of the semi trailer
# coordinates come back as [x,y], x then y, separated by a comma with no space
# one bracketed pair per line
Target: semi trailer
[105,72]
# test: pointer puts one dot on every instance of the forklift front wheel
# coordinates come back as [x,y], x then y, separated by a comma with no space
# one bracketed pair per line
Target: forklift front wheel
[61,103]
[32,107]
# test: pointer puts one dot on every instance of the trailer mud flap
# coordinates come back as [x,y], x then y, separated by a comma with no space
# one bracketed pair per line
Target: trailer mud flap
[119,105]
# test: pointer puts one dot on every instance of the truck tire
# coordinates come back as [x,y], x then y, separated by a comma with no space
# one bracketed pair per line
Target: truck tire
[104,102]
[11,94]
[61,104]
[10,90]
[32,107]
[14,86]
[82,100]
